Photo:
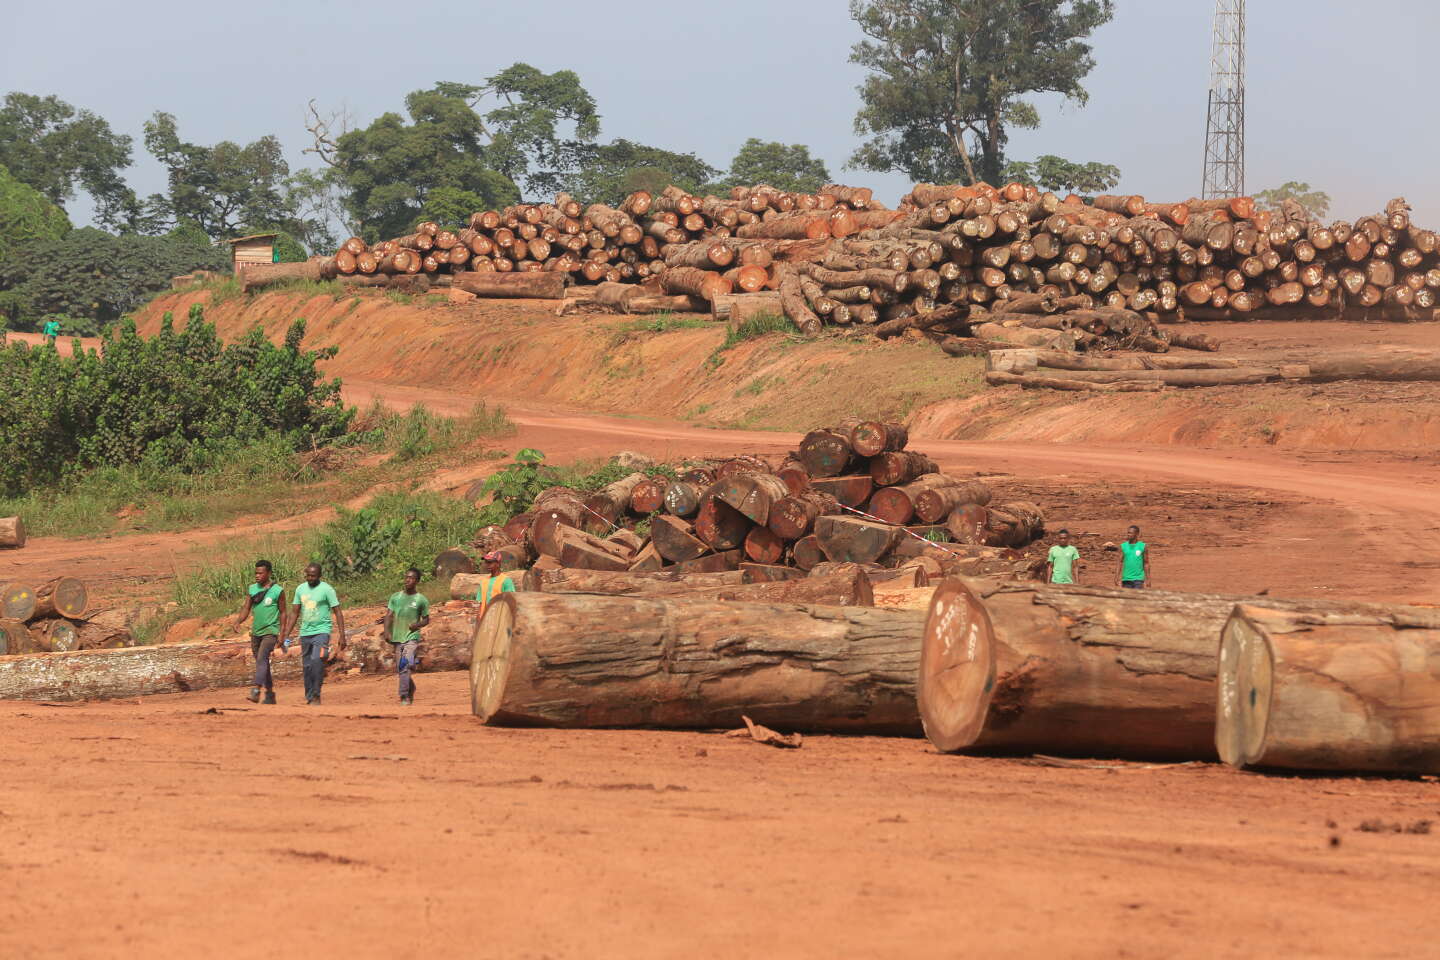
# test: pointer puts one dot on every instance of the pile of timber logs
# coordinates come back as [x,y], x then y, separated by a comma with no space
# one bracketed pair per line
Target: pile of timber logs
[851,494]
[839,257]
[1057,370]
[12,532]
[55,616]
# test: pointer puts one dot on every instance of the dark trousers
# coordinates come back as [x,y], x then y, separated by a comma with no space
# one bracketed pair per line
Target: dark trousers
[312,656]
[1133,584]
[262,647]
[405,663]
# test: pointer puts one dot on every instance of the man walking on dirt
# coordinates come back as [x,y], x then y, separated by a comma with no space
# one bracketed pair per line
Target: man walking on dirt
[1134,561]
[407,613]
[51,330]
[491,588]
[317,612]
[265,606]
[1062,560]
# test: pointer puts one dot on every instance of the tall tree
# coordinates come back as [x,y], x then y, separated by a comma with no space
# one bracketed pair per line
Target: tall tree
[783,166]
[26,215]
[222,187]
[53,147]
[605,173]
[949,78]
[1315,202]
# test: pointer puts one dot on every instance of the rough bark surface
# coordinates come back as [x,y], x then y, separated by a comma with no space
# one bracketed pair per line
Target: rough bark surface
[587,661]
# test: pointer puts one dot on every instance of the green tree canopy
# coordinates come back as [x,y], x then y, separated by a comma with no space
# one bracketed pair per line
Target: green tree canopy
[949,78]
[783,166]
[94,275]
[1315,202]
[221,187]
[25,216]
[605,173]
[1050,172]
[48,144]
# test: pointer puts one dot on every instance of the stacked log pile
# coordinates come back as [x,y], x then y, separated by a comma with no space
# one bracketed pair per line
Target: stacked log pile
[853,494]
[55,616]
[1055,370]
[1115,267]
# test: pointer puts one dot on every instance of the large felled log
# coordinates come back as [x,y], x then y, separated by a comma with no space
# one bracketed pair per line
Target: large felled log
[1399,365]
[580,549]
[464,586]
[869,437]
[736,308]
[530,283]
[848,491]
[15,638]
[898,504]
[719,524]
[705,284]
[935,504]
[61,597]
[455,560]
[1330,688]
[852,540]
[825,453]
[793,302]
[12,532]
[135,671]
[587,661]
[793,517]
[629,584]
[257,275]
[752,494]
[554,508]
[1015,523]
[682,498]
[606,506]
[900,466]
[675,539]
[17,601]
[55,635]
[846,588]
[1029,667]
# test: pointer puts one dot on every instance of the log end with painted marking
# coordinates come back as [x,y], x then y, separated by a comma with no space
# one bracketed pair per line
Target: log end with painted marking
[490,658]
[1243,690]
[957,667]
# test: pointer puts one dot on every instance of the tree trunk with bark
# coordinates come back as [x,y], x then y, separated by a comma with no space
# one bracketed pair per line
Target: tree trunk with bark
[1329,687]
[61,597]
[12,532]
[736,308]
[1035,668]
[531,283]
[852,540]
[586,661]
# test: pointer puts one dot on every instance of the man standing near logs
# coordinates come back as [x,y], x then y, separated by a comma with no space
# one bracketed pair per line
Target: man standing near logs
[1061,562]
[1134,560]
[407,613]
[316,611]
[265,606]
[496,584]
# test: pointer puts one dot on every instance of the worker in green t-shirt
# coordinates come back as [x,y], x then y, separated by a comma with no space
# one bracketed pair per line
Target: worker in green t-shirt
[1061,562]
[316,614]
[496,584]
[1134,560]
[407,613]
[265,606]
[51,330]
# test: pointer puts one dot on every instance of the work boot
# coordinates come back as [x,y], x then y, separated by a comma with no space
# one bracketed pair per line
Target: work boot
[406,701]
[254,695]
[315,699]
[269,696]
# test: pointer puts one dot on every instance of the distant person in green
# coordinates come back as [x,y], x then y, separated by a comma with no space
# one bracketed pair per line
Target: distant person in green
[265,606]
[316,614]
[1061,562]
[492,587]
[1134,561]
[407,613]
[51,330]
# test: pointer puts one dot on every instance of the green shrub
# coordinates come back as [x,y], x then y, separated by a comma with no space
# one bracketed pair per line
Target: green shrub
[179,400]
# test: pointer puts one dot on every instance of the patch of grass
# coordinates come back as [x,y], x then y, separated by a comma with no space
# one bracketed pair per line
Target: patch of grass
[223,289]
[310,288]
[395,296]
[266,478]
[755,327]
[757,386]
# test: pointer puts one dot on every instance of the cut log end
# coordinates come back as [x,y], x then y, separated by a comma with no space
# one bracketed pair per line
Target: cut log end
[1243,692]
[490,657]
[957,667]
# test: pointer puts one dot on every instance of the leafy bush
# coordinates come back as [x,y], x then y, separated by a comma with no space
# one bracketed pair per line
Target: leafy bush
[176,400]
[26,216]
[514,489]
[90,273]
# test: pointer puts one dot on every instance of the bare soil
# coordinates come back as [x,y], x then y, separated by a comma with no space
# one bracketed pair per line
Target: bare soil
[353,829]
[161,828]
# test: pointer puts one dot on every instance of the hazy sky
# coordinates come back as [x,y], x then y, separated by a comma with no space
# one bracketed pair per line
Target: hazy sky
[1339,92]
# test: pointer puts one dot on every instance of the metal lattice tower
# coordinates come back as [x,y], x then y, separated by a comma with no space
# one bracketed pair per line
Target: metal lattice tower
[1225,119]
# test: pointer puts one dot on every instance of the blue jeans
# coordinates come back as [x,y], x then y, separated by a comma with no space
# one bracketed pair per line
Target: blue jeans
[1133,584]
[406,659]
[312,655]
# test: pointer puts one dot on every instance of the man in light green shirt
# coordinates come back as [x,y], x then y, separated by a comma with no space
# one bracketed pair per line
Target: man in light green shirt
[265,606]
[407,613]
[51,330]
[1061,562]
[316,612]
[1134,560]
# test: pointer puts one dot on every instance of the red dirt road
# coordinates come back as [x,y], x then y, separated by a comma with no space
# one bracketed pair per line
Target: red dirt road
[356,830]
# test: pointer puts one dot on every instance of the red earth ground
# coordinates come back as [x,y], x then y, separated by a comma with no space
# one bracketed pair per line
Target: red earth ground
[158,828]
